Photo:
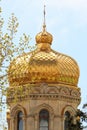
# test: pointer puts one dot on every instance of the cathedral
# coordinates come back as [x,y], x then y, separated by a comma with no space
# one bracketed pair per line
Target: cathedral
[43,88]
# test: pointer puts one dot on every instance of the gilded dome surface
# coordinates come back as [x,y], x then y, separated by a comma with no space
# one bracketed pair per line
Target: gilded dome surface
[43,65]
[44,37]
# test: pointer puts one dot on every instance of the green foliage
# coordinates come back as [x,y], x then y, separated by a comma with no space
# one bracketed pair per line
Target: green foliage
[82,115]
[76,122]
[12,25]
[85,105]
[8,50]
[73,123]
[21,93]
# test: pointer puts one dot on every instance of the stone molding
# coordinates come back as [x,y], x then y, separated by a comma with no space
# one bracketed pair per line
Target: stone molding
[68,108]
[16,109]
[44,91]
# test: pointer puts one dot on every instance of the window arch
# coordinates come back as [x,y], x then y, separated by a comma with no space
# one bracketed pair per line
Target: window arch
[20,121]
[44,120]
[67,120]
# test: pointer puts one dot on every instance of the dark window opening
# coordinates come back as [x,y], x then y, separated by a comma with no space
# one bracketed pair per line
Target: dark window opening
[67,121]
[44,120]
[20,121]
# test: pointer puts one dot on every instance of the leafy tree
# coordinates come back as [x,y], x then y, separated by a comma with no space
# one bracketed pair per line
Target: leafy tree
[85,105]
[8,50]
[76,122]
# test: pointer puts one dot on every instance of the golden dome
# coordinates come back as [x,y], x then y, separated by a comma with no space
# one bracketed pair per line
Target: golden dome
[43,65]
[44,37]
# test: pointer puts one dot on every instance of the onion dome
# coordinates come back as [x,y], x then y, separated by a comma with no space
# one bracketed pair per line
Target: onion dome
[44,37]
[43,65]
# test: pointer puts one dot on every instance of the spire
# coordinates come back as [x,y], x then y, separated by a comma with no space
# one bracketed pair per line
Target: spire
[44,23]
[44,38]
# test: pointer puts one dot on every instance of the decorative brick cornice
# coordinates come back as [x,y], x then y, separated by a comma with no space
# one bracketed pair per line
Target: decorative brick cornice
[44,91]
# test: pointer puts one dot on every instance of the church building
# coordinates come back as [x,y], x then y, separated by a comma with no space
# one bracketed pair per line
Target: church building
[43,87]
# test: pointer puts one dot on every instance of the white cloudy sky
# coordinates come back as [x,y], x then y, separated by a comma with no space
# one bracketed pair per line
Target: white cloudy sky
[66,20]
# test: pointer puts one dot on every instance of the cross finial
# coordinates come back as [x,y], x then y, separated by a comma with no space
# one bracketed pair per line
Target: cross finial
[44,24]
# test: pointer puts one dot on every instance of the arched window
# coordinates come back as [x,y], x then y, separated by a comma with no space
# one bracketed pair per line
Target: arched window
[44,120]
[67,121]
[20,121]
